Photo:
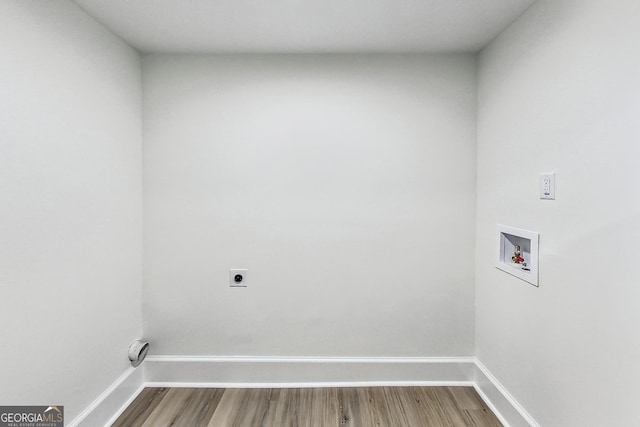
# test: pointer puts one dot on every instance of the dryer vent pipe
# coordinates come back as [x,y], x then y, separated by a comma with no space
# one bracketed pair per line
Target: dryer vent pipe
[137,352]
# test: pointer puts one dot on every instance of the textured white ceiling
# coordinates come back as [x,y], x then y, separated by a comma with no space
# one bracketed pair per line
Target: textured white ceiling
[306,25]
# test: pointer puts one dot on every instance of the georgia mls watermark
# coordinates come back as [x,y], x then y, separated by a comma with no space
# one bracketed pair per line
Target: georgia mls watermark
[31,416]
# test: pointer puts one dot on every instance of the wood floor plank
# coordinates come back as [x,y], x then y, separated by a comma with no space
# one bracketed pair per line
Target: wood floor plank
[172,406]
[309,407]
[287,402]
[254,408]
[198,408]
[371,406]
[434,407]
[325,407]
[354,408]
[305,413]
[274,398]
[445,400]
[390,410]
[482,418]
[227,409]
[466,398]
[420,410]
[139,410]
[242,408]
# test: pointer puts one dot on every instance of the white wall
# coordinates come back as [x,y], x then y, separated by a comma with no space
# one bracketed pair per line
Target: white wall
[559,91]
[70,205]
[345,184]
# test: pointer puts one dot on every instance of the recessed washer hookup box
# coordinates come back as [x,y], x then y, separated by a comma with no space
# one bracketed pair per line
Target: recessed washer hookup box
[518,253]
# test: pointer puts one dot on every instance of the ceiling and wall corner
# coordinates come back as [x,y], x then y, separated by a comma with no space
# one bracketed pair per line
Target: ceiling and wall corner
[306,26]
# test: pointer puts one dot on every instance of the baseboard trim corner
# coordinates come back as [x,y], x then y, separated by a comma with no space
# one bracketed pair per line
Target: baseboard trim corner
[508,410]
[112,401]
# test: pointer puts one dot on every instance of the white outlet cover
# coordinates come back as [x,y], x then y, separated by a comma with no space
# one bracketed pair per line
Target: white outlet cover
[548,186]
[245,277]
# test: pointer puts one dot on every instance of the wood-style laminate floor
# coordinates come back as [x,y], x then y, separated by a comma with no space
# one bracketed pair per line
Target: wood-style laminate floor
[321,407]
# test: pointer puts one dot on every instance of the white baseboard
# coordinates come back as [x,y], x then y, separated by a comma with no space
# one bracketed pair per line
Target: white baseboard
[301,371]
[112,401]
[510,412]
[289,372]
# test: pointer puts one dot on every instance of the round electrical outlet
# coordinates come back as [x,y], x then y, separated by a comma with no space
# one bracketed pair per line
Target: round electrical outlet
[238,277]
